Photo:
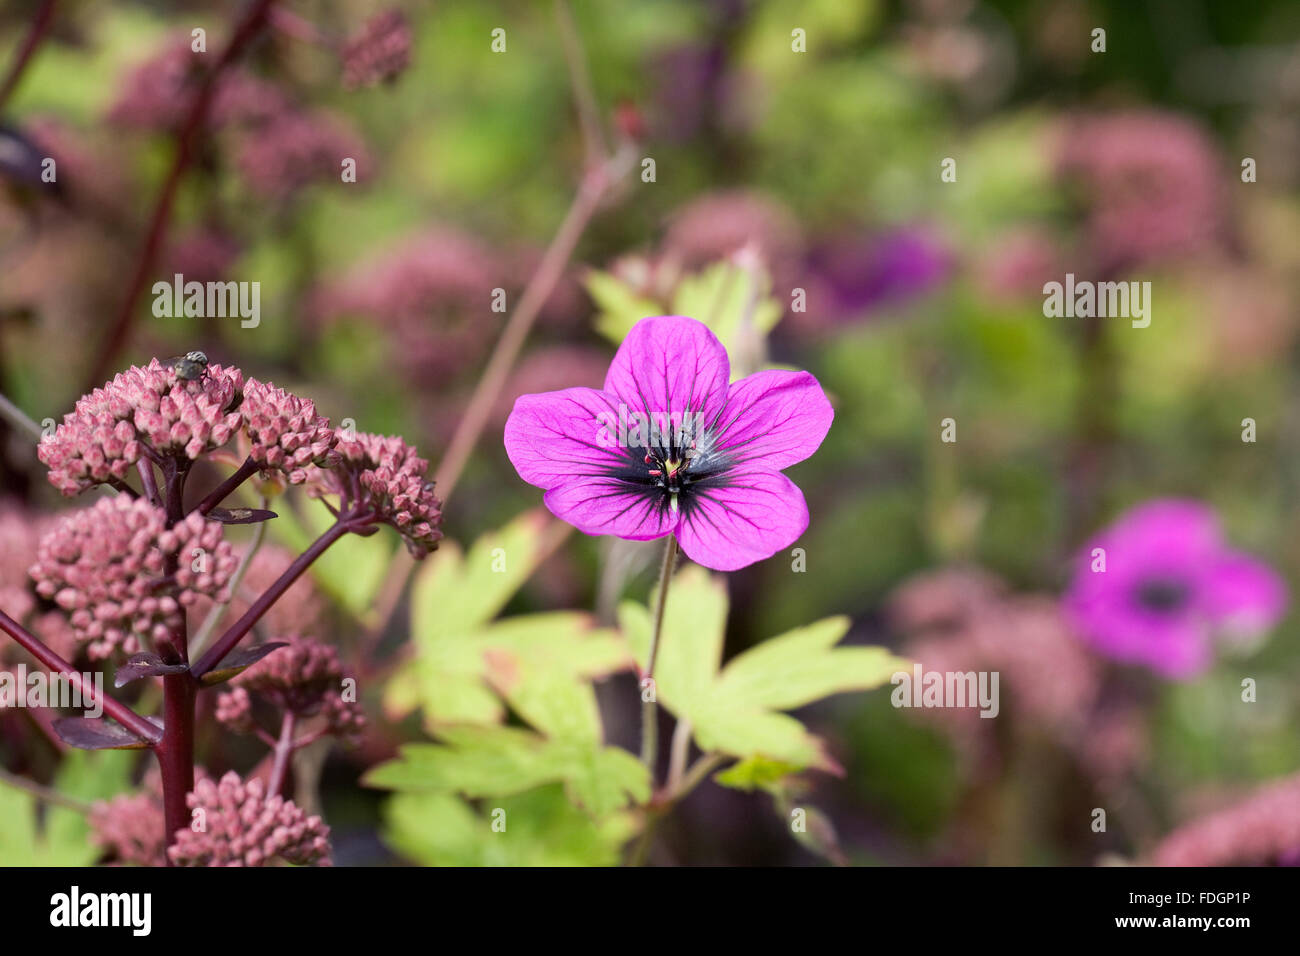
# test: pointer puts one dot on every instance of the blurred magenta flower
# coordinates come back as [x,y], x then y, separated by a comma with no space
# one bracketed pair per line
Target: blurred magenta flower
[852,276]
[670,447]
[1170,587]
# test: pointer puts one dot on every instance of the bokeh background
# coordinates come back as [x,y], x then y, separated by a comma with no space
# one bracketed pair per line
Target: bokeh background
[923,302]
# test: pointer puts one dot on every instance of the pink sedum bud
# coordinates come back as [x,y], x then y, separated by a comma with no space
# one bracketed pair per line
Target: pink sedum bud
[142,409]
[385,475]
[235,711]
[242,826]
[286,433]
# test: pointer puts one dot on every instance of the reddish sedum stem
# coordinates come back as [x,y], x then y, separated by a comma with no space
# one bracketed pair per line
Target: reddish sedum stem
[231,638]
[224,490]
[40,26]
[123,714]
[149,481]
[176,751]
[284,749]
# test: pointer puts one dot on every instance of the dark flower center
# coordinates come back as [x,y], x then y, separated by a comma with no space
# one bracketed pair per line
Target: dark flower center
[671,466]
[1163,595]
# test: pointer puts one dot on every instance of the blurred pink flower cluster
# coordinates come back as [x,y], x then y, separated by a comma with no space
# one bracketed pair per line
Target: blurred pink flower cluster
[429,293]
[380,52]
[21,532]
[1149,184]
[277,146]
[1262,828]
[234,823]
[966,619]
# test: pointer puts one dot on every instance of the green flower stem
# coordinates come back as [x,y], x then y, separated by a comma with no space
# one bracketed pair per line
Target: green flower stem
[678,751]
[697,774]
[661,805]
[649,708]
[48,794]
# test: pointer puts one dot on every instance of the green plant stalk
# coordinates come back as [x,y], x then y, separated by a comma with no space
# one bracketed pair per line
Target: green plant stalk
[48,794]
[650,706]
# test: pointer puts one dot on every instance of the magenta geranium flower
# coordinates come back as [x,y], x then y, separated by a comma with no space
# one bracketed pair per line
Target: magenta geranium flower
[1171,587]
[672,446]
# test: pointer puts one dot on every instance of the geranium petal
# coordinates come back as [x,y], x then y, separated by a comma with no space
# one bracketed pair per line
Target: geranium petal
[1245,597]
[776,417]
[673,365]
[1175,646]
[565,436]
[1168,533]
[751,516]
[608,506]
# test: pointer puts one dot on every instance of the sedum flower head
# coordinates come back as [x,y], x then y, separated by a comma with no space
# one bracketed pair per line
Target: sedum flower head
[343,718]
[964,619]
[385,475]
[296,677]
[305,678]
[284,430]
[106,566]
[155,94]
[425,292]
[19,539]
[1150,184]
[142,409]
[234,711]
[294,149]
[129,827]
[242,826]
